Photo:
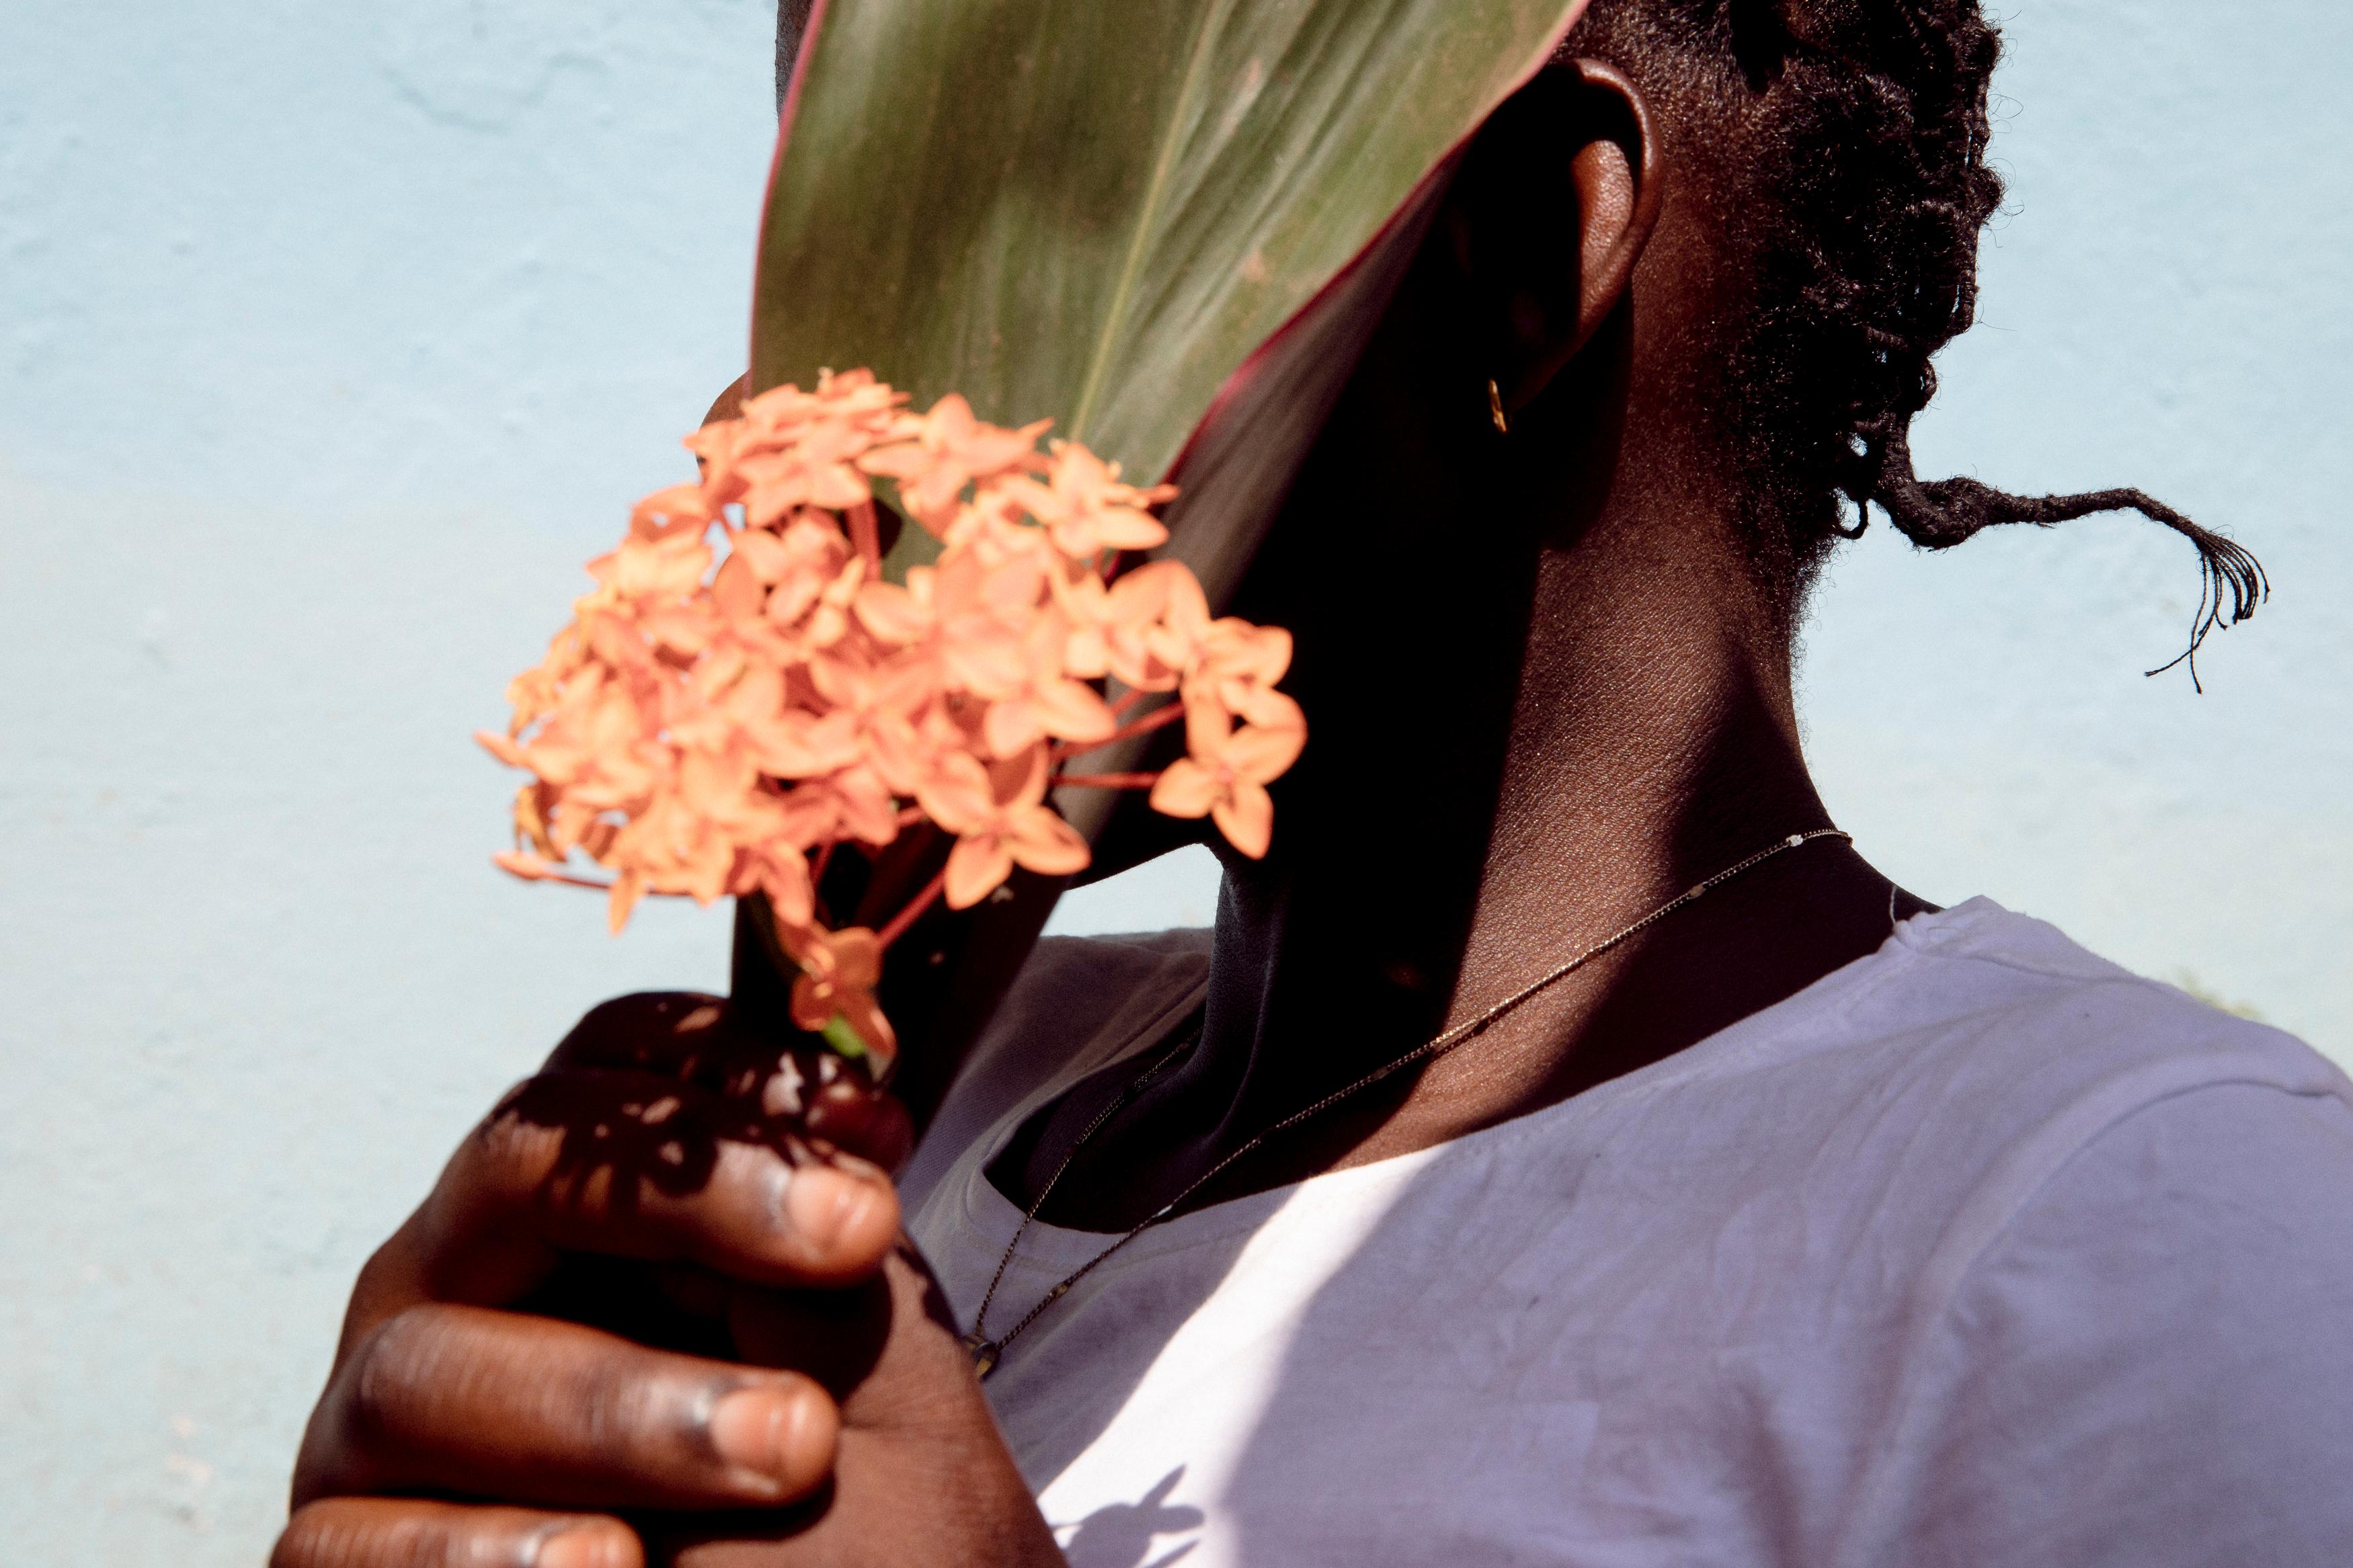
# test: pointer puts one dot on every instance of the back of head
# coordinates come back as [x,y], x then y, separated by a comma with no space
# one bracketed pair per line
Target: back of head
[1845,143]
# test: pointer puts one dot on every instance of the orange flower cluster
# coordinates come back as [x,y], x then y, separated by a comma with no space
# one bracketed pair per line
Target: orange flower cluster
[713,720]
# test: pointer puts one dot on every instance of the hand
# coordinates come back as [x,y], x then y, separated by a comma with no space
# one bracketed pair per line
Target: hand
[921,1473]
[654,1136]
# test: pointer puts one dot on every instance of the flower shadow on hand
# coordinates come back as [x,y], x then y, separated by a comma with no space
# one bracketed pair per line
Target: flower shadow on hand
[645,1097]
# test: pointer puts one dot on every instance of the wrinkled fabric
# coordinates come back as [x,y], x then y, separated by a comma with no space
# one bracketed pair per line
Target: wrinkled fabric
[1981,1251]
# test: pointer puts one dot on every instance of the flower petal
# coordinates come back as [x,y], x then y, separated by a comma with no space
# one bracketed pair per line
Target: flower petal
[882,1040]
[1208,725]
[1012,726]
[518,863]
[1046,843]
[627,888]
[1262,754]
[1186,789]
[857,957]
[1069,710]
[1246,817]
[500,747]
[813,1006]
[978,867]
[956,795]
[891,613]
[784,877]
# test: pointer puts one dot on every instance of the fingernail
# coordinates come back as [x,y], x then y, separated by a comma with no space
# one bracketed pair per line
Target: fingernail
[580,1546]
[824,1204]
[763,1431]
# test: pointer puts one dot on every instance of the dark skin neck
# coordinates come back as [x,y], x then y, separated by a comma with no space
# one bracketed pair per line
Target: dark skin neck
[1548,689]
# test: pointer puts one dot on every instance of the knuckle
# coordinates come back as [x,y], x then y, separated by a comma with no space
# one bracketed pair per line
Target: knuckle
[507,1151]
[385,1266]
[617,1014]
[344,1534]
[621,1414]
[398,1359]
[496,1132]
[306,1541]
[509,1102]
[638,1029]
[331,1535]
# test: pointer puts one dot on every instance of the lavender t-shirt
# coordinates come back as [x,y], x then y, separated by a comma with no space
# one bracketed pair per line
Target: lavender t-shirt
[1981,1252]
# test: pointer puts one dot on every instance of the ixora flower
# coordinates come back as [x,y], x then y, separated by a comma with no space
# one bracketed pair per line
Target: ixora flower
[744,692]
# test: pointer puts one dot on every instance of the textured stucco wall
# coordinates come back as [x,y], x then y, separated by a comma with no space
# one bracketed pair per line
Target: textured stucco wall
[331,338]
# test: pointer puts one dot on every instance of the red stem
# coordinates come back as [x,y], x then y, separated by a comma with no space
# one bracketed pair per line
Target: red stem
[865,535]
[1143,726]
[913,912]
[1135,694]
[1109,781]
[1065,750]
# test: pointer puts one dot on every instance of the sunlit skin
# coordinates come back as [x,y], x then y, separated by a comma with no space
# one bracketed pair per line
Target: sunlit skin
[1548,690]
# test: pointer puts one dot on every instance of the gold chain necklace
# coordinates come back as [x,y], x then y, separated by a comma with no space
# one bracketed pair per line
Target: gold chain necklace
[985,1351]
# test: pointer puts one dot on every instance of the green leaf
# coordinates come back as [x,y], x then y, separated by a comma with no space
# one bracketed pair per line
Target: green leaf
[1169,225]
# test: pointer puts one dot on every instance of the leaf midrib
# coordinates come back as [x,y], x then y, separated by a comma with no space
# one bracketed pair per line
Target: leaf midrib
[1147,218]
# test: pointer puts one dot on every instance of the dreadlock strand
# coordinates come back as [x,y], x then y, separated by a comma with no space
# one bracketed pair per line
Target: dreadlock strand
[1857,133]
[1940,514]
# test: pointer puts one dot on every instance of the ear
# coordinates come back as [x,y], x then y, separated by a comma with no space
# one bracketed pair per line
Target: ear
[1553,206]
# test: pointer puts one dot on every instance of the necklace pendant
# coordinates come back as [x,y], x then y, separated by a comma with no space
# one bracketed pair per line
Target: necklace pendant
[984,1353]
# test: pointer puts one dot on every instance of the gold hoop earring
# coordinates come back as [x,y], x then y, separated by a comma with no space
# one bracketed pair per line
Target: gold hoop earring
[1496,407]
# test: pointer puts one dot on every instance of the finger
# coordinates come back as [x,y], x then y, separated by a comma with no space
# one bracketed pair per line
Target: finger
[634,1165]
[675,1032]
[888,1351]
[702,1040]
[628,1166]
[697,1038]
[482,1403]
[384,1532]
[859,1121]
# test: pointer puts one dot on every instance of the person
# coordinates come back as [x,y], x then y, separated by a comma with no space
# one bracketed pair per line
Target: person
[1806,1225]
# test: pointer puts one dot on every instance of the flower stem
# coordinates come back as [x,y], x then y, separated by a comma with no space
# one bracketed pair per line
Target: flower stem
[865,535]
[1064,749]
[844,1040]
[913,912]
[1146,725]
[1109,781]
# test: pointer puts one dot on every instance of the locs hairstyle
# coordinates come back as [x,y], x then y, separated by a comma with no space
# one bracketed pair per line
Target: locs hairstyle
[1849,140]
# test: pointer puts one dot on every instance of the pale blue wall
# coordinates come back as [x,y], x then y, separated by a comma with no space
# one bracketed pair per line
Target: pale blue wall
[331,338]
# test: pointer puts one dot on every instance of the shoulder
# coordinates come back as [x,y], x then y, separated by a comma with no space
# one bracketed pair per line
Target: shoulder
[1076,1004]
[2004,1031]
[2083,1085]
[2129,1113]
[1981,962]
[2145,1336]
[1934,1091]
[2129,1321]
